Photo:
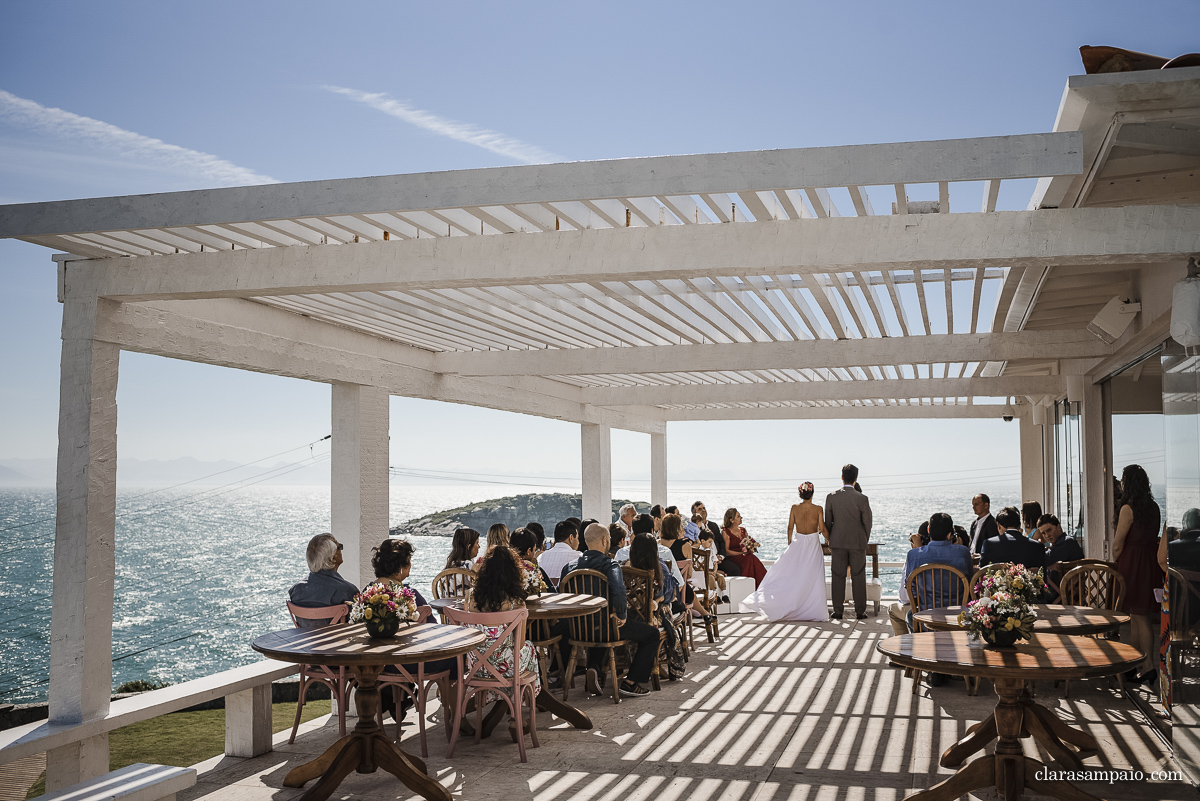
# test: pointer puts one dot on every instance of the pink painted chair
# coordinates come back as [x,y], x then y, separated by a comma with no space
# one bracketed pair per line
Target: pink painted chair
[480,675]
[336,679]
[417,688]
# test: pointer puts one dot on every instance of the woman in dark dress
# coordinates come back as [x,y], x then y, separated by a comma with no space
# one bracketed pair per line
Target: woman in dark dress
[735,536]
[1135,549]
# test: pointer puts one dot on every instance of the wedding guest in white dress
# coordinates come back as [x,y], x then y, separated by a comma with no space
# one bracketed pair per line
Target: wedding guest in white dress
[794,588]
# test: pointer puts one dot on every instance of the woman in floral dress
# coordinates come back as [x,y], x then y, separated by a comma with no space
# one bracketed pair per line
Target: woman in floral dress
[501,587]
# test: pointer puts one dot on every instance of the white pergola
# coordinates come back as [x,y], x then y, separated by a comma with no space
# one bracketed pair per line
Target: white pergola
[626,294]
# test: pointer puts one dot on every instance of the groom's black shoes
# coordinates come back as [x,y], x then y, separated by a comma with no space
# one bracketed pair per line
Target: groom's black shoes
[835,617]
[863,616]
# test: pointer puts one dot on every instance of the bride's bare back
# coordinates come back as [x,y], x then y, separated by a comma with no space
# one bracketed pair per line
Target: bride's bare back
[806,518]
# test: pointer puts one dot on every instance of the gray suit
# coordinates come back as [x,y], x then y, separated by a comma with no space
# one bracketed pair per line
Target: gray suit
[848,520]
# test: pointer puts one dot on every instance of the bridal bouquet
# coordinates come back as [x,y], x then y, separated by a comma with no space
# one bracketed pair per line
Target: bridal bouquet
[1003,612]
[383,606]
[531,578]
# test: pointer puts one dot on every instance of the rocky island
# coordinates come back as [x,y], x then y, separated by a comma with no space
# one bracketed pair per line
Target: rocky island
[514,511]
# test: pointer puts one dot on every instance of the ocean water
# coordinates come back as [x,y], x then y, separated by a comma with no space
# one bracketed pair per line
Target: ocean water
[201,572]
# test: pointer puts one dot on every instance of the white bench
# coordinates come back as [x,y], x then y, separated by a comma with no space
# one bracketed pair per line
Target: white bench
[247,693]
[137,782]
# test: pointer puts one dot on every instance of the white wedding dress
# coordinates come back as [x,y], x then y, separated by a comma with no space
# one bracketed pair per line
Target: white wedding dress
[794,588]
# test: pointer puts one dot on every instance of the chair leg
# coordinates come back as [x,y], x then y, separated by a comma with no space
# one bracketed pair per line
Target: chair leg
[916,681]
[460,709]
[570,674]
[533,716]
[299,709]
[519,719]
[612,674]
[1066,688]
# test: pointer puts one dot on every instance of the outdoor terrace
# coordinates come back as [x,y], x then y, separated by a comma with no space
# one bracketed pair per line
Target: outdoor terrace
[772,711]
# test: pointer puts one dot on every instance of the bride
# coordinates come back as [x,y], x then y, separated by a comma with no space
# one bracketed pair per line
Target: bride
[794,588]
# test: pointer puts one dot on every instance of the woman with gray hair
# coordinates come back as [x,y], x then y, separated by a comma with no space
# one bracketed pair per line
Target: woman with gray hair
[324,586]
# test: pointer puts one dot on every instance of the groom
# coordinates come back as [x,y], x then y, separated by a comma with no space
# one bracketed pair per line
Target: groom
[848,521]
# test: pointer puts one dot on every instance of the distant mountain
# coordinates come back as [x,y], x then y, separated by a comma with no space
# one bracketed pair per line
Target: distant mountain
[15,478]
[514,511]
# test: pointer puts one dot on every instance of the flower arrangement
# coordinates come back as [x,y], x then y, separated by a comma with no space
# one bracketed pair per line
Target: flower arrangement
[1003,614]
[383,606]
[749,544]
[531,578]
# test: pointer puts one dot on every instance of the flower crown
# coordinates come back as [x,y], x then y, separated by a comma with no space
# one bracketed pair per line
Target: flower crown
[807,486]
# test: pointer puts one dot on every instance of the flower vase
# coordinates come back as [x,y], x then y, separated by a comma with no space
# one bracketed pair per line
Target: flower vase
[1004,638]
[381,628]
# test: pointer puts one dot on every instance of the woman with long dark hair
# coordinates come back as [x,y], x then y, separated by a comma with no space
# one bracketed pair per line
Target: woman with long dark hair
[463,549]
[1135,550]
[500,587]
[643,554]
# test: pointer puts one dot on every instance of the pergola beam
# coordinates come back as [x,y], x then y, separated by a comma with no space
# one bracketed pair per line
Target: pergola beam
[1023,156]
[1017,240]
[824,391]
[779,355]
[914,412]
[268,340]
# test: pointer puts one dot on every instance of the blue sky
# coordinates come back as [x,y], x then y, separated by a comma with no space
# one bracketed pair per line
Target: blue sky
[180,96]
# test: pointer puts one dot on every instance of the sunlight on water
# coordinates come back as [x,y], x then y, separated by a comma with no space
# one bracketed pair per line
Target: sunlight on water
[200,572]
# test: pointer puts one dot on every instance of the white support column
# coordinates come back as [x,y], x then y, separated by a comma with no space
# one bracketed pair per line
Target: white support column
[84,550]
[1048,461]
[359,510]
[1096,479]
[596,448]
[658,469]
[248,722]
[1032,483]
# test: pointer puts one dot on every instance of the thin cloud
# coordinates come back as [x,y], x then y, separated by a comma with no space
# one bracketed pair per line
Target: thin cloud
[459,131]
[132,146]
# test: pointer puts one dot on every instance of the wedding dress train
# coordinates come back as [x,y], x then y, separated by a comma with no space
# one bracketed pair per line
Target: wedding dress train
[794,588]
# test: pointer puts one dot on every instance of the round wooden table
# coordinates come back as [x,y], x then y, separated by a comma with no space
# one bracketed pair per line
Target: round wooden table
[1046,656]
[366,748]
[1051,619]
[547,606]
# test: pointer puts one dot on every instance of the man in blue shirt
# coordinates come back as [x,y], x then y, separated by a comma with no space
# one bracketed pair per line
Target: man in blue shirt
[939,551]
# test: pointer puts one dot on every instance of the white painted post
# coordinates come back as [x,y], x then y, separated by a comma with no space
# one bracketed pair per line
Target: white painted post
[248,722]
[658,469]
[1097,483]
[84,551]
[596,442]
[359,509]
[1032,484]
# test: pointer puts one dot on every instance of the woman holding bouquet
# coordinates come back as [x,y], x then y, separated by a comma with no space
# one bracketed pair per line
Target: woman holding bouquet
[740,547]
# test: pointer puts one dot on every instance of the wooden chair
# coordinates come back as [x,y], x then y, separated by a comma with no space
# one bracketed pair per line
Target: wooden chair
[480,675]
[641,590]
[945,586]
[1184,587]
[453,582]
[1096,584]
[336,679]
[537,632]
[708,599]
[979,574]
[685,617]
[417,688]
[597,630]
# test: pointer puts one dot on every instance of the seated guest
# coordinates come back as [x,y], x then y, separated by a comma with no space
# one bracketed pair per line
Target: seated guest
[1031,513]
[540,534]
[566,538]
[616,537]
[324,586]
[656,512]
[898,613]
[1011,545]
[921,537]
[725,564]
[392,562]
[735,536]
[643,634]
[500,587]
[463,549]
[939,551]
[671,538]
[582,528]
[961,536]
[497,537]
[643,555]
[715,578]
[524,542]
[691,530]
[1183,553]
[625,517]
[1061,549]
[644,525]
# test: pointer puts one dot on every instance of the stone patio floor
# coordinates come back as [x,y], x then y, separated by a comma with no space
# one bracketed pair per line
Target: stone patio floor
[773,711]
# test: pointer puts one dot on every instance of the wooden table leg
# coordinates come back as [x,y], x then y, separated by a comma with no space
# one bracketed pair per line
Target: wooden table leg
[1053,788]
[548,702]
[1083,741]
[977,738]
[364,750]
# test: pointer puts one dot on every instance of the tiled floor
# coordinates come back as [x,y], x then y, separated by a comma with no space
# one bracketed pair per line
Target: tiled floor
[772,712]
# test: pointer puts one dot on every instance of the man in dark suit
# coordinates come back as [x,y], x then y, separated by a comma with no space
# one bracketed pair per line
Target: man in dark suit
[1012,546]
[724,563]
[984,527]
[848,521]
